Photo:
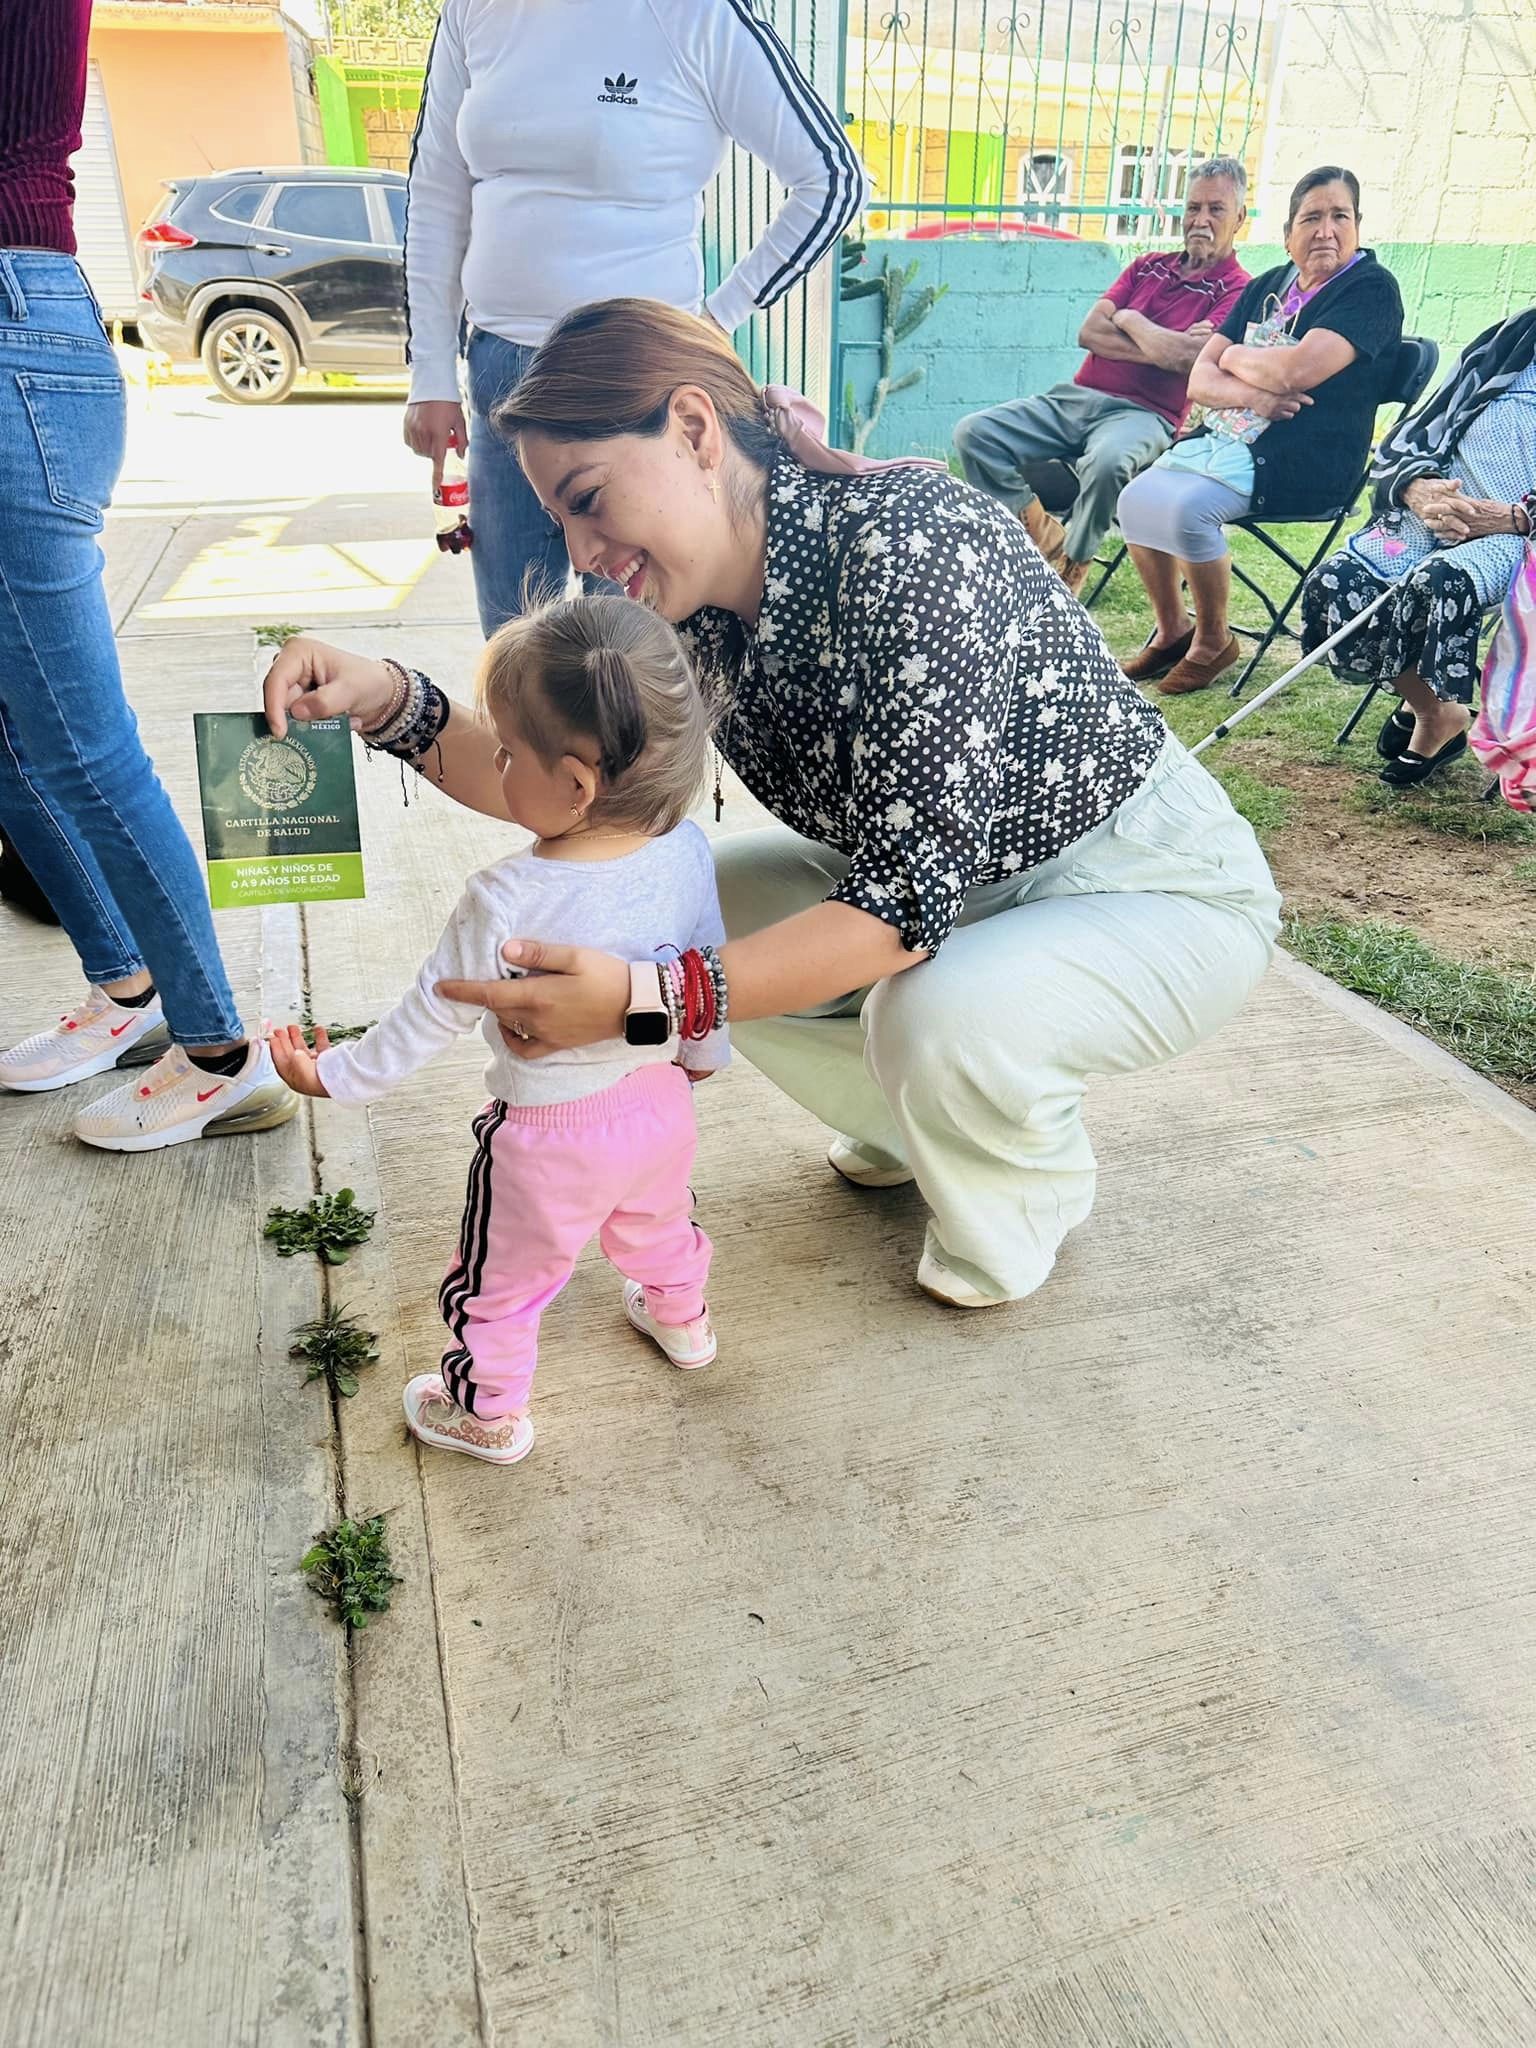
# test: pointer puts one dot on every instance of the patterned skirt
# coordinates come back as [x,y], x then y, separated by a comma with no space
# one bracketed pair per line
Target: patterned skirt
[1429,625]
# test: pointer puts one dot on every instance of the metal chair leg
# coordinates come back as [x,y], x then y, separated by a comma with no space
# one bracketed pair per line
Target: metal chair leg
[1357,714]
[1109,569]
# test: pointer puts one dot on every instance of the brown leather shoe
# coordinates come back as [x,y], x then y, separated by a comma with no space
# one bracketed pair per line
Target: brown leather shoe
[1153,662]
[1073,574]
[1047,532]
[1199,675]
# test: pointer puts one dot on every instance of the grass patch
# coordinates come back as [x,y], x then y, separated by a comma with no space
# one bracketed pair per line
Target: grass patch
[331,1225]
[276,636]
[1454,807]
[1525,870]
[1265,807]
[349,1566]
[1485,1017]
[336,1347]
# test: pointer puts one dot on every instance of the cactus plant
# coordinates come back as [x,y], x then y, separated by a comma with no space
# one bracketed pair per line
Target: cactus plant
[902,312]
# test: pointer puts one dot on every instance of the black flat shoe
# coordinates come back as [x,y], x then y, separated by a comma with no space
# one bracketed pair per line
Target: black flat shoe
[1410,767]
[1394,736]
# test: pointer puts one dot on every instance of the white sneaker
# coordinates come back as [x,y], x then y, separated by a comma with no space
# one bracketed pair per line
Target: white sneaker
[942,1283]
[865,1166]
[688,1345]
[176,1101]
[434,1417]
[88,1040]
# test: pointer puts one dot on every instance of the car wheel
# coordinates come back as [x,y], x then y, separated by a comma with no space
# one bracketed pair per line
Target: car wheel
[251,356]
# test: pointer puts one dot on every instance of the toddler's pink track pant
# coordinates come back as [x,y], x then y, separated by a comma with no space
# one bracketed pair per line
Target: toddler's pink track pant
[546,1178]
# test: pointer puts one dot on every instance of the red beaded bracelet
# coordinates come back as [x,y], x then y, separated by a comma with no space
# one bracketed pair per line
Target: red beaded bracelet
[698,997]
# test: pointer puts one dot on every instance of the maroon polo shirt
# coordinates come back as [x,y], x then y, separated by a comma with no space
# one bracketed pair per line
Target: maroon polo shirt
[1159,287]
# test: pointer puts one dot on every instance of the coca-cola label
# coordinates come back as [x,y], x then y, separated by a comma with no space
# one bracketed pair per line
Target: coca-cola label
[451,492]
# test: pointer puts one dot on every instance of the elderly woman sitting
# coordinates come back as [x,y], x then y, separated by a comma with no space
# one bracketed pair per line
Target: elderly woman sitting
[1455,488]
[1291,384]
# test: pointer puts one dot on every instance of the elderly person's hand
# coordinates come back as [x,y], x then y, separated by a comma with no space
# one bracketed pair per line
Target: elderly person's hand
[1452,516]
[1277,405]
[572,995]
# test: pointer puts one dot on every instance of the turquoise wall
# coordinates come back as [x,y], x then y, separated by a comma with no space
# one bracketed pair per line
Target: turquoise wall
[1008,323]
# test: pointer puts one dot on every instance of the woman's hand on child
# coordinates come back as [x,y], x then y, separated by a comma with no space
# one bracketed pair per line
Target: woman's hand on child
[572,995]
[294,1060]
[310,679]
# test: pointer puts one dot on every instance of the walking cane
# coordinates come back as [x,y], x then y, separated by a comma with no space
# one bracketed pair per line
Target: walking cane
[1307,661]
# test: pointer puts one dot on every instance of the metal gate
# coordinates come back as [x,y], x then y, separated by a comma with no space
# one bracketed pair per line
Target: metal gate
[1074,117]
[793,343]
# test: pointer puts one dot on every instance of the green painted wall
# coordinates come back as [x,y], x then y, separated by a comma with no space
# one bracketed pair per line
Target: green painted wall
[1008,323]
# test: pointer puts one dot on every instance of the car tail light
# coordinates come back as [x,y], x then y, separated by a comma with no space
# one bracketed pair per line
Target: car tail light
[161,234]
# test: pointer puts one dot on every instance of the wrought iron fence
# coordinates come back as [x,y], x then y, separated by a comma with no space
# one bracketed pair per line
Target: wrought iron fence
[1079,117]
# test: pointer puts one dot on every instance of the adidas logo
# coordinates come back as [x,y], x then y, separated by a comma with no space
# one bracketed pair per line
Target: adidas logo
[619,93]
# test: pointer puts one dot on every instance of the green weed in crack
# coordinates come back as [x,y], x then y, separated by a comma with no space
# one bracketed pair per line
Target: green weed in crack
[349,1566]
[336,1347]
[331,1225]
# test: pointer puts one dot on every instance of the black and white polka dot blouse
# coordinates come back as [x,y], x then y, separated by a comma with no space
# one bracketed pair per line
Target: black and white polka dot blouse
[920,692]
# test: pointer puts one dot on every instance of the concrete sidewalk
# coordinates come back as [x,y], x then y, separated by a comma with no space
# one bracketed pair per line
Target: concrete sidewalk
[1147,1666]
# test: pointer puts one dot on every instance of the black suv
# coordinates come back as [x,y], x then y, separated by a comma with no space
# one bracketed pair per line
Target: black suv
[266,273]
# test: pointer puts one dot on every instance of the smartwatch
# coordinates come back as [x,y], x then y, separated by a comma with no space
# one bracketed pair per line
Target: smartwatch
[647,1020]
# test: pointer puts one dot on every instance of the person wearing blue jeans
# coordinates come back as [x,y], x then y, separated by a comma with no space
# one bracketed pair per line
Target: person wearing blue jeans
[79,798]
[561,157]
[517,544]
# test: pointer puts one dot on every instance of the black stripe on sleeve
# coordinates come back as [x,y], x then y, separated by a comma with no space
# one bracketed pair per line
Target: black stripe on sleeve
[844,176]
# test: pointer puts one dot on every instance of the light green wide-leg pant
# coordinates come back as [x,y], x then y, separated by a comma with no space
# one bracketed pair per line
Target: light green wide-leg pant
[1125,951]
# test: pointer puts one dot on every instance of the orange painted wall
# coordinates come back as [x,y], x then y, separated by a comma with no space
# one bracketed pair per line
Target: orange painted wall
[187,100]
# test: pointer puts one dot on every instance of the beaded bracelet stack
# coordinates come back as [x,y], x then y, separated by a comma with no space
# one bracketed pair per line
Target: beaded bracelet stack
[694,990]
[416,716]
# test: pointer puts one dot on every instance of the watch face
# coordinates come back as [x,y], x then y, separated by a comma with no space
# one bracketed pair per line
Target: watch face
[647,1027]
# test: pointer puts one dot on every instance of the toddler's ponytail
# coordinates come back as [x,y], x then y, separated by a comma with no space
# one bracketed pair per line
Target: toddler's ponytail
[618,722]
[604,678]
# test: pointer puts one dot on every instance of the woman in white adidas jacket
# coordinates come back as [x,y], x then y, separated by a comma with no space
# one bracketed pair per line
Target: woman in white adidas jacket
[561,155]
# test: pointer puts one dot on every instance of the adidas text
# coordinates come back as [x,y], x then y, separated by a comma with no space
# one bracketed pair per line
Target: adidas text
[618,92]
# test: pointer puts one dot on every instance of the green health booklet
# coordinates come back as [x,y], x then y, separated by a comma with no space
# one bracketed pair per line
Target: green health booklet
[279,816]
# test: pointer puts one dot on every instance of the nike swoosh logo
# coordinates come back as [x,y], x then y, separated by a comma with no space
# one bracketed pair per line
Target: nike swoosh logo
[211,1094]
[119,1029]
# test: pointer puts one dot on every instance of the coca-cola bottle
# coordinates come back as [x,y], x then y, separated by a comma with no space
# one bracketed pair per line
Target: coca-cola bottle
[451,496]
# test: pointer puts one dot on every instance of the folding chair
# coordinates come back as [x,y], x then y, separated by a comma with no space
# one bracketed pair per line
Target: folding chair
[1416,363]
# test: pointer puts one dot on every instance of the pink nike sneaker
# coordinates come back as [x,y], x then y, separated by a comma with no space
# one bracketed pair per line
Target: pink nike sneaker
[434,1417]
[688,1345]
[96,1036]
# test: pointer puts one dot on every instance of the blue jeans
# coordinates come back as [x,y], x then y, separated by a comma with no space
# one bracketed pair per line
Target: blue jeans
[514,535]
[79,797]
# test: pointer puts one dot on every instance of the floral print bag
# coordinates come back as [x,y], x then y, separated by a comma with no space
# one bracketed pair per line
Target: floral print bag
[1503,735]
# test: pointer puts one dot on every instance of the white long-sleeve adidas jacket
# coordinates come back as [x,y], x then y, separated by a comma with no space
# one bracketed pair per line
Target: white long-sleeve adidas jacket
[562,154]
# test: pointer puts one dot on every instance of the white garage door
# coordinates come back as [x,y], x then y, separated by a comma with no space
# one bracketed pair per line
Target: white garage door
[101,222]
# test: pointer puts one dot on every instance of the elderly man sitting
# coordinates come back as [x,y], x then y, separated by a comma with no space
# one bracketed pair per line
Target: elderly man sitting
[1128,400]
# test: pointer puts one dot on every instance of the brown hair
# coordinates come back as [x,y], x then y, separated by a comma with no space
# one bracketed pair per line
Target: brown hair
[612,369]
[604,673]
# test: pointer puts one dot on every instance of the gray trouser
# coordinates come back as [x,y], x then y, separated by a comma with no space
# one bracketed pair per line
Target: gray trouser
[1180,512]
[1106,439]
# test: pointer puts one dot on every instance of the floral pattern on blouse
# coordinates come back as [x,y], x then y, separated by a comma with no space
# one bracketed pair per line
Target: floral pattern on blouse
[920,693]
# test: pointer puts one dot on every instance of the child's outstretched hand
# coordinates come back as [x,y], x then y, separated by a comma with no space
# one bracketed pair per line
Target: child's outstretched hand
[294,1060]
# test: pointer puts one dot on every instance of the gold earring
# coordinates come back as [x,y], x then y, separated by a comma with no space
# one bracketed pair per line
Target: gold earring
[575,810]
[714,490]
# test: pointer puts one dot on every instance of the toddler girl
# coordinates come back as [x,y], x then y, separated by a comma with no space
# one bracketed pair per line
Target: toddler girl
[604,748]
